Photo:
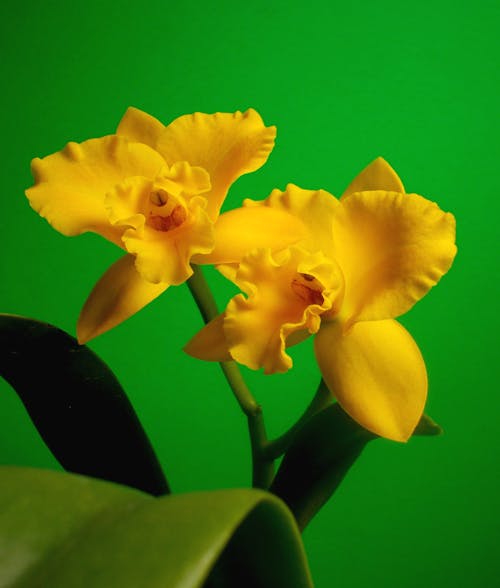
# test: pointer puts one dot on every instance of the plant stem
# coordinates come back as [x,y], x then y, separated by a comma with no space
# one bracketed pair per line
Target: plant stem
[202,295]
[262,466]
[322,398]
[245,399]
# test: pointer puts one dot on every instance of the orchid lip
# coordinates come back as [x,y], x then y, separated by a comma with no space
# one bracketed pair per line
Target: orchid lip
[307,288]
[166,211]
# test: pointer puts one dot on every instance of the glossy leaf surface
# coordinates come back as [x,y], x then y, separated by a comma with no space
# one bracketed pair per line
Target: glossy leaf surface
[321,455]
[67,531]
[77,405]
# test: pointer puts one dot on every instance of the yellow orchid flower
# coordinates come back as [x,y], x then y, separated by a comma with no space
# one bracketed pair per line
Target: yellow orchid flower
[156,191]
[367,258]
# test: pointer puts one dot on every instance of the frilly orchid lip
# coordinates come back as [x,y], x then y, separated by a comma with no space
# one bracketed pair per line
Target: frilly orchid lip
[288,293]
[382,250]
[155,191]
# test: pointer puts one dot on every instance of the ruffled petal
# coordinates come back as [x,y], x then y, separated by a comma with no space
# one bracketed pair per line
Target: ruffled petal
[377,374]
[314,208]
[71,185]
[378,175]
[286,293]
[392,248]
[240,230]
[226,145]
[210,343]
[119,294]
[164,221]
[140,127]
[166,256]
[229,271]
[191,179]
[126,202]
[137,197]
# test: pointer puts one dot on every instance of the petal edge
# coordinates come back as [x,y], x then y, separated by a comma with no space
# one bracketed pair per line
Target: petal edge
[120,293]
[377,374]
[377,175]
[227,145]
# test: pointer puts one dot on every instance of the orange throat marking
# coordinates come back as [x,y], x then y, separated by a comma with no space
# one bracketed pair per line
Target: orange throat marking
[170,222]
[306,292]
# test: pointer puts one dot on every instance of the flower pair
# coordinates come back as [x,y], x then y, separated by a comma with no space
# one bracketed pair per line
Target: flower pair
[156,192]
[307,263]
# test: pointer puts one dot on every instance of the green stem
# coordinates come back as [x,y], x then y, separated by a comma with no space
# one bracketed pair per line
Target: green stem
[245,399]
[202,295]
[277,447]
[263,467]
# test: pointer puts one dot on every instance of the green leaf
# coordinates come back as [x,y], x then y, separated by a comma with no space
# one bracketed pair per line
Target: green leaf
[317,461]
[77,405]
[320,456]
[427,427]
[67,531]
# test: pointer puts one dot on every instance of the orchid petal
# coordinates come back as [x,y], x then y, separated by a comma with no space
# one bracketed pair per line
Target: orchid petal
[226,145]
[132,200]
[164,221]
[377,374]
[392,248]
[140,127]
[314,208]
[210,343]
[71,185]
[166,256]
[240,230]
[286,293]
[119,294]
[378,175]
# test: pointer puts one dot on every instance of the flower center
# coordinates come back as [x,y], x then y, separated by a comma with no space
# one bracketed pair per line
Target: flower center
[159,197]
[166,212]
[308,289]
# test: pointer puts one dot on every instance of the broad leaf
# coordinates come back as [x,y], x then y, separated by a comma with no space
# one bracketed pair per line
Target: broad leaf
[77,405]
[67,531]
[320,456]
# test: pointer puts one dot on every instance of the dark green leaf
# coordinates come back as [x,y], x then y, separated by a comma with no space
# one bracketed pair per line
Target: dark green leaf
[67,531]
[319,458]
[317,461]
[77,405]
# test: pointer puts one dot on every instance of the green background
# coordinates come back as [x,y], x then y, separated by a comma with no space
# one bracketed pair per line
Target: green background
[344,82]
